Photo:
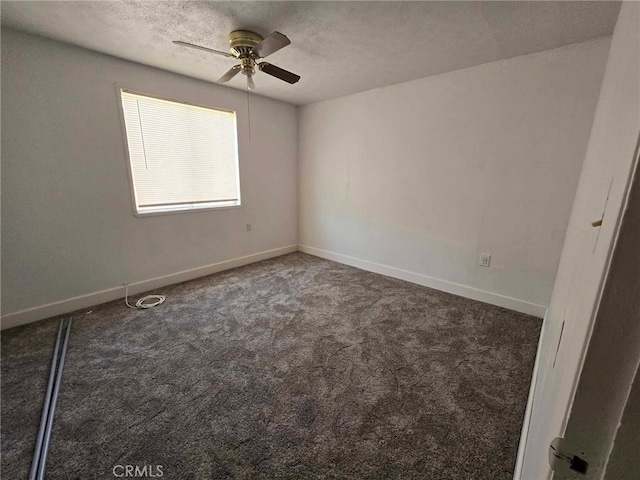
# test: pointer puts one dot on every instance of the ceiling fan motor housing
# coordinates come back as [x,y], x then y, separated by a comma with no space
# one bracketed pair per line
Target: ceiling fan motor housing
[241,43]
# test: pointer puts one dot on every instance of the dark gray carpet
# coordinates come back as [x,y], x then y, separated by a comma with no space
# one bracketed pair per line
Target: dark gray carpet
[292,368]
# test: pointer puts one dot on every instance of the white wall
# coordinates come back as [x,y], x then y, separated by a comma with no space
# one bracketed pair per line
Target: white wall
[587,252]
[417,179]
[607,403]
[623,461]
[67,223]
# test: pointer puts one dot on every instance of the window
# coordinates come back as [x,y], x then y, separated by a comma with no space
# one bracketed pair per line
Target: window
[181,156]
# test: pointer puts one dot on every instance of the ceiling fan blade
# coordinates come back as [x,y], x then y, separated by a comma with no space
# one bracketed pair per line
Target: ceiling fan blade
[271,44]
[278,72]
[232,72]
[210,50]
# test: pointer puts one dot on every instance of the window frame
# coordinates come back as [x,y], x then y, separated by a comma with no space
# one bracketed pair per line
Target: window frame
[132,188]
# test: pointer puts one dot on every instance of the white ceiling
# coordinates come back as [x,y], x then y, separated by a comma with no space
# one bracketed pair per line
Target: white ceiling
[338,48]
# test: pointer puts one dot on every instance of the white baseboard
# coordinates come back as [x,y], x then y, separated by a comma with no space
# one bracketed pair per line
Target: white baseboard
[83,301]
[438,284]
[76,303]
[524,433]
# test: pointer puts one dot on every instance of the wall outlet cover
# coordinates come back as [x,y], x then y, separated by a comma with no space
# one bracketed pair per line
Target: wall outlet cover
[485,260]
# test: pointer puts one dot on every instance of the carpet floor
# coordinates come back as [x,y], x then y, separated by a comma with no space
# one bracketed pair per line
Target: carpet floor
[291,368]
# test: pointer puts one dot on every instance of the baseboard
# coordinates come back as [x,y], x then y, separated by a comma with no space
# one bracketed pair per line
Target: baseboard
[71,304]
[438,284]
[524,433]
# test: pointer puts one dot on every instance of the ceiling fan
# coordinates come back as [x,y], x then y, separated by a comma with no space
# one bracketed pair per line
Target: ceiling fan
[250,48]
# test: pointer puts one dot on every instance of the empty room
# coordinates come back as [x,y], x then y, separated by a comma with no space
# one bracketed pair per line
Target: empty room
[320,240]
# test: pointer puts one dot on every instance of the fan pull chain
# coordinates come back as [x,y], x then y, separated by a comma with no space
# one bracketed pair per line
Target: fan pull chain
[249,114]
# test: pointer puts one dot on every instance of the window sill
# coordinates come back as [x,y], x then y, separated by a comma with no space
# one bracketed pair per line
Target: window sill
[151,212]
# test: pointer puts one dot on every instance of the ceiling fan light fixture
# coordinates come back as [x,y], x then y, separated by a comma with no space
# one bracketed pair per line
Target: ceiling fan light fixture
[248,65]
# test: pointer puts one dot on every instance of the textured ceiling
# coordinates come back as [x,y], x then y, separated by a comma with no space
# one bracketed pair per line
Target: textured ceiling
[338,48]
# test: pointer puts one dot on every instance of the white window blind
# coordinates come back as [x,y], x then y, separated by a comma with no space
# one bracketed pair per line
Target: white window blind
[182,156]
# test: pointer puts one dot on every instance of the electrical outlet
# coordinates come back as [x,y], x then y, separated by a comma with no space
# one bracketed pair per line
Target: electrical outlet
[248,227]
[485,260]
